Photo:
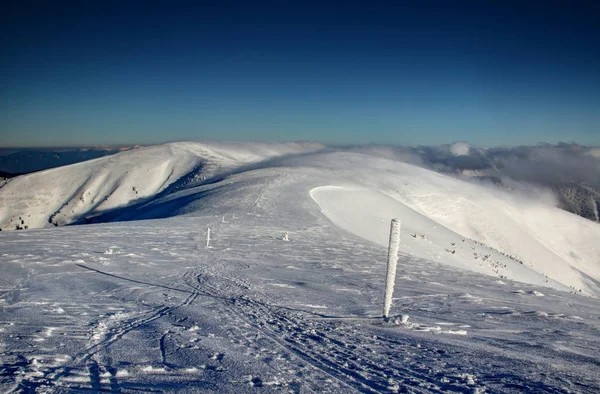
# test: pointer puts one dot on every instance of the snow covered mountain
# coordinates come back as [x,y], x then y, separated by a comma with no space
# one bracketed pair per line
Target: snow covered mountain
[74,193]
[484,274]
[521,238]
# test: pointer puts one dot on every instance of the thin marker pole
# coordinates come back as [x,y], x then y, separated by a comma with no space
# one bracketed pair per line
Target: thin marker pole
[390,278]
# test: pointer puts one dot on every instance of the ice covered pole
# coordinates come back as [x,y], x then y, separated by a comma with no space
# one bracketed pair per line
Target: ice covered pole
[390,277]
[208,238]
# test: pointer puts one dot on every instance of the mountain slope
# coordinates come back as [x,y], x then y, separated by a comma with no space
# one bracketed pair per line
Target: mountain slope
[73,193]
[468,225]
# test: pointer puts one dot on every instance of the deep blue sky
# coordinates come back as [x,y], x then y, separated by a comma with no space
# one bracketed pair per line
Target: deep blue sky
[423,72]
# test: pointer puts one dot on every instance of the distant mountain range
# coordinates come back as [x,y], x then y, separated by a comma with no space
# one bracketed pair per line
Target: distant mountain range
[23,161]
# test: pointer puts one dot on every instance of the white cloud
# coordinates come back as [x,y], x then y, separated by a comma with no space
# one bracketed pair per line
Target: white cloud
[460,149]
[594,152]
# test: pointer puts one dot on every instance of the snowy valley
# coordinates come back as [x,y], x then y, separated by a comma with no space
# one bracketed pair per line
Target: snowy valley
[500,289]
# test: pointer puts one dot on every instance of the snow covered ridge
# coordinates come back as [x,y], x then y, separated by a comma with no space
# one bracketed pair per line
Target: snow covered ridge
[464,224]
[69,194]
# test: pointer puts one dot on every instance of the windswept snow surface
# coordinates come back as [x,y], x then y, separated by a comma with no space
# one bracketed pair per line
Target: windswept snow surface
[365,212]
[145,306]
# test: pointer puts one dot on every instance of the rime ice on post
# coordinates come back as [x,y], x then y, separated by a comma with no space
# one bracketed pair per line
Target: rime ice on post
[391,267]
[208,238]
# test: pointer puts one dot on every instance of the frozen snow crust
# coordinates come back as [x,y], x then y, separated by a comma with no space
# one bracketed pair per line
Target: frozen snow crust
[483,275]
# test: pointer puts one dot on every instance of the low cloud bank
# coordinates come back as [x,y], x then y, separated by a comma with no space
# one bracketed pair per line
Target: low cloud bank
[541,164]
[562,163]
[564,175]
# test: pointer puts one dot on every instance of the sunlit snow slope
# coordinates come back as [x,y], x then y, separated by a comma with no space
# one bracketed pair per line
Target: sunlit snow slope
[81,191]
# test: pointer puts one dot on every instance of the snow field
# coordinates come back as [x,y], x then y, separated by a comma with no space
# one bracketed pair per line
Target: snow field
[144,304]
[163,310]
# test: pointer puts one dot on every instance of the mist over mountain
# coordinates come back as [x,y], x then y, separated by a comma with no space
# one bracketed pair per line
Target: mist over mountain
[570,171]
